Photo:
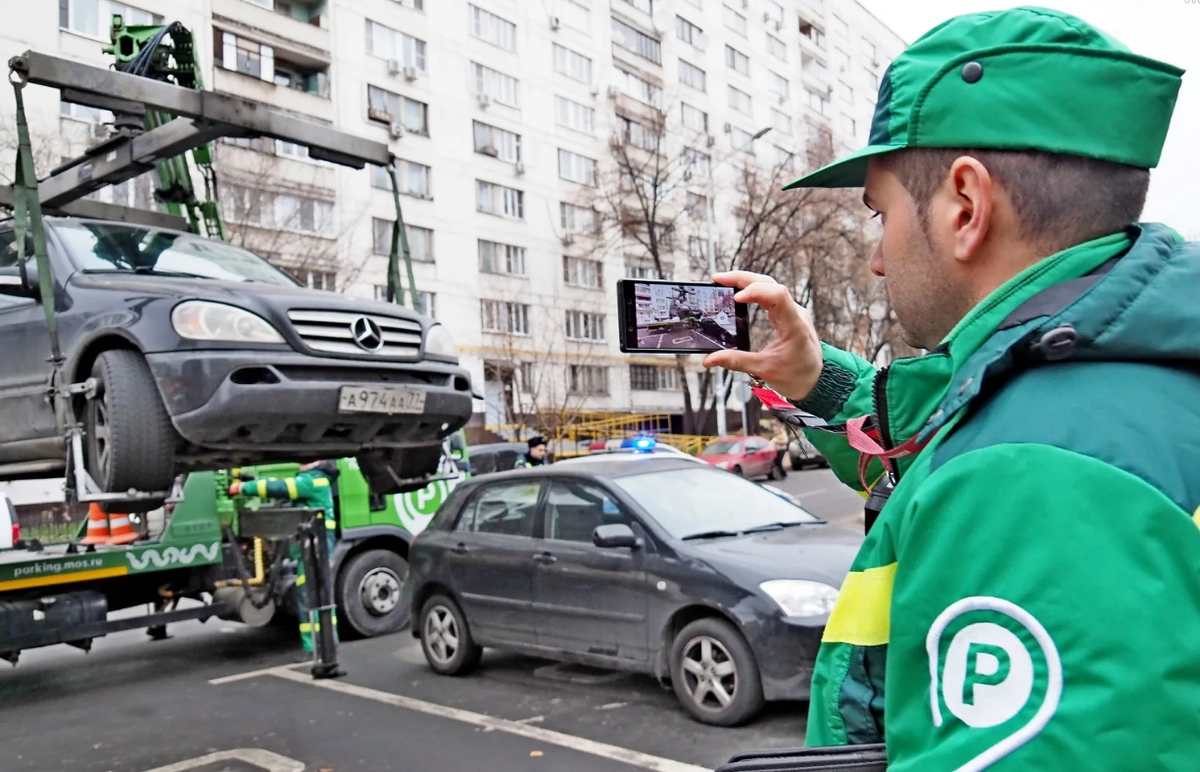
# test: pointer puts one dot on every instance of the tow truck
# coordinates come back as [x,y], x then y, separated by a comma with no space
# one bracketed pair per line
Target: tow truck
[227,557]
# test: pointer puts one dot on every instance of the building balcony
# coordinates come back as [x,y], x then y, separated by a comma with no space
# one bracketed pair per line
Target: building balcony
[301,103]
[299,28]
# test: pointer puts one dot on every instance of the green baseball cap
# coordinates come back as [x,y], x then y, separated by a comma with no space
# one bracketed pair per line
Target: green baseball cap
[1022,79]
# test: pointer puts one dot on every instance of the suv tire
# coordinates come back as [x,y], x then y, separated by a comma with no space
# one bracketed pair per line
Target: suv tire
[407,463]
[370,593]
[130,440]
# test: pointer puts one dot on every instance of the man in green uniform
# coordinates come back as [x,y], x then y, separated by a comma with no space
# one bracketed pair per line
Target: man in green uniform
[312,488]
[1029,596]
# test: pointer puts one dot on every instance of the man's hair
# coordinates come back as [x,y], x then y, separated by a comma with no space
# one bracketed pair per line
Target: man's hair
[1060,200]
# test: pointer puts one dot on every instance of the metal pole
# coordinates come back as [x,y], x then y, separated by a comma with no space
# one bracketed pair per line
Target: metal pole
[320,598]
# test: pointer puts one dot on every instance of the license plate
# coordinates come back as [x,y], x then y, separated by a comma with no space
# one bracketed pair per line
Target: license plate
[359,399]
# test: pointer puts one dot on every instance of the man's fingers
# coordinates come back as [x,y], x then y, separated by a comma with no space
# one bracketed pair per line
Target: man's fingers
[730,359]
[786,317]
[741,279]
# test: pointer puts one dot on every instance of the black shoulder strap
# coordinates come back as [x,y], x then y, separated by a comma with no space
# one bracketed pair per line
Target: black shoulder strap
[1056,297]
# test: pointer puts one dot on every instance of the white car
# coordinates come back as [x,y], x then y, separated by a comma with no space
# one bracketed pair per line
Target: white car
[10,531]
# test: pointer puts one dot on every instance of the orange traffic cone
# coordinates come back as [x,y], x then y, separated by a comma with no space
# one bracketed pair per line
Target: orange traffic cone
[122,529]
[97,527]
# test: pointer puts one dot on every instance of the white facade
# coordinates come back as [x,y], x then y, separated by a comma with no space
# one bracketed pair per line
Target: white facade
[411,72]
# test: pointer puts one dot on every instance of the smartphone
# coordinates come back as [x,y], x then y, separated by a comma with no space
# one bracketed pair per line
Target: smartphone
[680,317]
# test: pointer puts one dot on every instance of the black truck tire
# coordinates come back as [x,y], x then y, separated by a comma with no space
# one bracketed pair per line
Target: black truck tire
[130,441]
[407,463]
[370,594]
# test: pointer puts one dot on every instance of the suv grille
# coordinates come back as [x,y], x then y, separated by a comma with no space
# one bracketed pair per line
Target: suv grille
[343,332]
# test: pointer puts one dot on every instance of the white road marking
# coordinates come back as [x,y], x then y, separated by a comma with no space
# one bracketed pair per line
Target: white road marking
[612,706]
[814,492]
[254,674]
[490,723]
[532,720]
[268,761]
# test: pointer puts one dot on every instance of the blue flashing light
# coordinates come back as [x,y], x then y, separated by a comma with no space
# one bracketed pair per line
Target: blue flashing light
[640,443]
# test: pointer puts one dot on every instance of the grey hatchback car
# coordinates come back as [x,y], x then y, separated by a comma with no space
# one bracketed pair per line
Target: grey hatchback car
[639,563]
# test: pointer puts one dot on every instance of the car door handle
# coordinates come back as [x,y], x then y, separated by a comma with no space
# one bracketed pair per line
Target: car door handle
[460,549]
[545,558]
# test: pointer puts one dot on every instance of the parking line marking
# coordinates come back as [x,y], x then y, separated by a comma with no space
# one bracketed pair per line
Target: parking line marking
[581,744]
[531,720]
[612,706]
[253,674]
[268,761]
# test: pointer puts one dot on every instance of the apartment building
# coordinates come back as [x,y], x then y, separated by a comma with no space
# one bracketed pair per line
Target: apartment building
[500,112]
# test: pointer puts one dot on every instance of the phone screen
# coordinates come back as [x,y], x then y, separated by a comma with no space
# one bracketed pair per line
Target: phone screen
[675,317]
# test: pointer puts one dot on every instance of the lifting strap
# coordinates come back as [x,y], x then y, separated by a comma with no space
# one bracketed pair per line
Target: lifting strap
[395,287]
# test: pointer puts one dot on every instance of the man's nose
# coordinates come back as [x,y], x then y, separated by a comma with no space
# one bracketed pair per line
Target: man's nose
[876,263]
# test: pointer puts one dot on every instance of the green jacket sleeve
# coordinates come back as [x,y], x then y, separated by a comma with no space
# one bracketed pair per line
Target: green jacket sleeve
[290,488]
[1045,613]
[844,391]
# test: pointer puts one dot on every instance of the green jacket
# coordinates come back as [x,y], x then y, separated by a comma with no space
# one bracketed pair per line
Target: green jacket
[1029,598]
[311,489]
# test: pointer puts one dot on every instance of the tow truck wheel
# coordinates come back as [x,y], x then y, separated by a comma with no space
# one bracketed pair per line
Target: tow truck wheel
[370,593]
[130,441]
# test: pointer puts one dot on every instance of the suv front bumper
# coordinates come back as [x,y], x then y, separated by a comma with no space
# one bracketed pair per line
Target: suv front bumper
[287,402]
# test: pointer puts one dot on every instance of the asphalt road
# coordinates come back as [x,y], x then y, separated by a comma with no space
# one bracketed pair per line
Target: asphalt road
[821,493]
[689,339]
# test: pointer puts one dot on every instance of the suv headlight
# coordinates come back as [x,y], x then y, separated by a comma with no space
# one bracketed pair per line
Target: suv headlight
[202,320]
[438,343]
[801,597]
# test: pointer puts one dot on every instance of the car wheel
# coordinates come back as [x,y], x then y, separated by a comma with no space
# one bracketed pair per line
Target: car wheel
[412,466]
[737,470]
[776,473]
[130,441]
[446,639]
[370,593]
[714,673]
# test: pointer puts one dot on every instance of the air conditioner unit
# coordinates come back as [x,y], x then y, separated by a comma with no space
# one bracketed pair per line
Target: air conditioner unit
[782,98]
[613,91]
[395,67]
[519,168]
[728,128]
[568,239]
[484,100]
[745,4]
[411,73]
[766,17]
[396,129]
[489,150]
[710,140]
[98,131]
[778,25]
[555,22]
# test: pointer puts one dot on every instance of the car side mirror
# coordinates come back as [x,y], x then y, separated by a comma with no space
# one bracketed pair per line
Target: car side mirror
[15,282]
[615,536]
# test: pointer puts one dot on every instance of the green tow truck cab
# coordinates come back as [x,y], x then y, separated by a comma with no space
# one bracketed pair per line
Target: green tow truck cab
[227,557]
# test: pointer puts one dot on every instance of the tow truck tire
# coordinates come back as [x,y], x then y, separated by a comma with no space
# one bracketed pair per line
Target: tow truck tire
[455,653]
[407,463]
[370,593]
[130,441]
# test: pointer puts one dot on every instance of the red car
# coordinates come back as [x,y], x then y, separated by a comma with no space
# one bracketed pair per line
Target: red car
[746,456]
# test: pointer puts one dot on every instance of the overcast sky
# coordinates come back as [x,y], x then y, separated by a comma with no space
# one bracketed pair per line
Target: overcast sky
[1163,29]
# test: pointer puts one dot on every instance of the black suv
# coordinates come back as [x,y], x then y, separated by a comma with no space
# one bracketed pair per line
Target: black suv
[205,356]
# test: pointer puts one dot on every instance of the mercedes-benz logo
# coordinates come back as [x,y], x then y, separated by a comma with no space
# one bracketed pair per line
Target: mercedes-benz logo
[367,334]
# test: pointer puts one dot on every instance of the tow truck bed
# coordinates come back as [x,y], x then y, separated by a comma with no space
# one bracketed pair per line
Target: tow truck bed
[55,565]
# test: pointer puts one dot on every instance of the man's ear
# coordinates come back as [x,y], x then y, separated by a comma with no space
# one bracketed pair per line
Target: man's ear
[971,206]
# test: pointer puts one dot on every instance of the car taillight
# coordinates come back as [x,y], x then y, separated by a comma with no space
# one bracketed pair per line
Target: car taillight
[16,534]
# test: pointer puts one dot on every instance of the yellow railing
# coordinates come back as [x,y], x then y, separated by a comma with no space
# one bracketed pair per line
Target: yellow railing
[592,427]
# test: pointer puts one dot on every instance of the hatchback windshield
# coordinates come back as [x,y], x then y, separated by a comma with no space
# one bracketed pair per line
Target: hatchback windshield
[114,247]
[700,500]
[722,447]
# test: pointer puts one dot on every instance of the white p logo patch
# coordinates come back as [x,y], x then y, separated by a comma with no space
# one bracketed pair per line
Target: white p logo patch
[989,674]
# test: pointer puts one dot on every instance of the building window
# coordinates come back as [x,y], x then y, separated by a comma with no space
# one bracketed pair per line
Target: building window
[497,143]
[842,60]
[687,32]
[817,102]
[321,280]
[698,248]
[490,28]
[645,6]
[639,88]
[495,257]
[583,272]
[774,11]
[575,66]
[504,89]
[776,48]
[841,28]
[414,179]
[575,15]
[642,270]
[387,43]
[740,101]
[385,107]
[697,163]
[784,158]
[778,85]
[576,168]
[426,301]
[696,3]
[245,56]
[584,325]
[577,219]
[781,122]
[698,207]
[652,378]
[817,69]
[872,79]
[847,93]
[691,75]
[507,318]
[808,30]
[278,211]
[736,60]
[588,379]
[740,140]
[633,133]
[734,21]
[94,17]
[84,113]
[420,240]
[849,125]
[499,200]
[868,48]
[574,115]
[636,41]
[693,118]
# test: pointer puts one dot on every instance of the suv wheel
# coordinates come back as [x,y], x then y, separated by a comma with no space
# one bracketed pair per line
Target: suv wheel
[714,673]
[130,441]
[370,593]
[445,638]
[379,465]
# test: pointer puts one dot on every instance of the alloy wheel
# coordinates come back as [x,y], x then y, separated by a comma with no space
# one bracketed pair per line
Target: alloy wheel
[441,634]
[709,673]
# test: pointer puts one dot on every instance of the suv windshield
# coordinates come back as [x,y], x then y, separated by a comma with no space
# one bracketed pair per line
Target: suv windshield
[116,247]
[722,447]
[703,500]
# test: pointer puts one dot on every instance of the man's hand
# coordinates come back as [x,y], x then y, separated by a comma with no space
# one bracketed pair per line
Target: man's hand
[792,362]
[235,488]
